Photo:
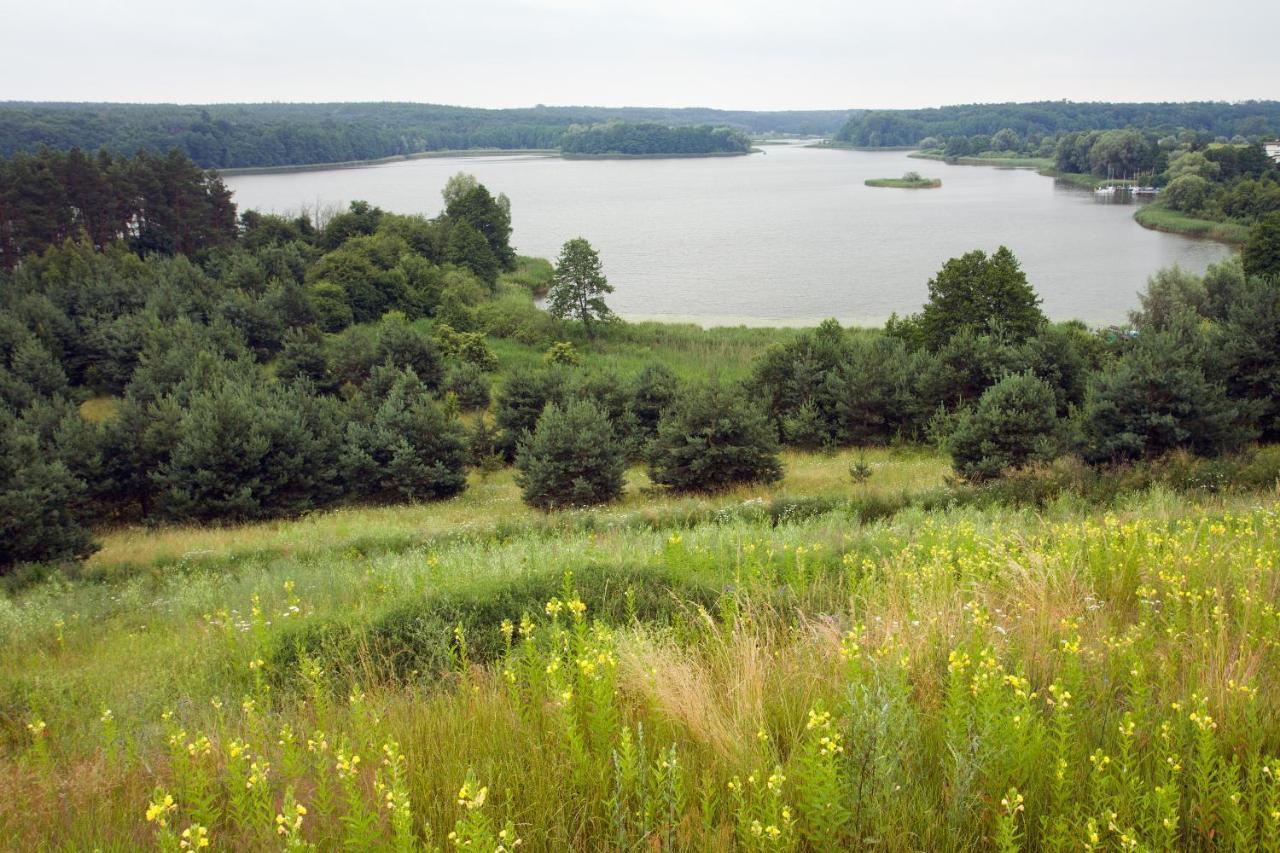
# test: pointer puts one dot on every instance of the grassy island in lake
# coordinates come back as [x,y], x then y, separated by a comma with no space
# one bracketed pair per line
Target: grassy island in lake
[909,181]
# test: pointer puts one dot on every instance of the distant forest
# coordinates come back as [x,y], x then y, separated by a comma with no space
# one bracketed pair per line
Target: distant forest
[245,135]
[640,139]
[881,128]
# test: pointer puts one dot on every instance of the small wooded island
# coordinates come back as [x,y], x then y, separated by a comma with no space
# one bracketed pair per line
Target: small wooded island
[909,181]
[621,139]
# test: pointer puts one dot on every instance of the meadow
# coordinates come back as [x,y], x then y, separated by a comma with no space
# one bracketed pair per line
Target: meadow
[745,671]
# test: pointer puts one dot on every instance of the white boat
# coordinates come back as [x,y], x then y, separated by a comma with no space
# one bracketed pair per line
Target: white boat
[1109,189]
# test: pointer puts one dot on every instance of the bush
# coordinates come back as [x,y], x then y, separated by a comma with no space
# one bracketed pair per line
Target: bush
[43,515]
[652,390]
[247,451]
[563,353]
[409,448]
[404,346]
[469,384]
[712,438]
[521,399]
[572,458]
[1158,398]
[1261,253]
[1015,422]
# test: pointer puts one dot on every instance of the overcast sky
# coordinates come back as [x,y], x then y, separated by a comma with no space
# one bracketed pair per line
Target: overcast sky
[736,54]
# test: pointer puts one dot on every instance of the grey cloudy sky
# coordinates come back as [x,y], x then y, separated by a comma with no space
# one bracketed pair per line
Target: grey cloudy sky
[743,54]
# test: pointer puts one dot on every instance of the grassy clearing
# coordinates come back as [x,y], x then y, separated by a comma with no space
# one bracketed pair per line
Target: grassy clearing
[1160,218]
[692,353]
[904,183]
[938,679]
[492,502]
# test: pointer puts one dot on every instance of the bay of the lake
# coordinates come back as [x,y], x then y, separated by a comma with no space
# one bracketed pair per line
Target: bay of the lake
[784,237]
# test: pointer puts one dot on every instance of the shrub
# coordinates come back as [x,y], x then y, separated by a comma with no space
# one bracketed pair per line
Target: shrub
[467,346]
[409,448]
[562,352]
[246,450]
[572,458]
[521,399]
[43,515]
[1261,252]
[652,390]
[469,384]
[872,392]
[1157,398]
[713,438]
[1015,422]
[404,346]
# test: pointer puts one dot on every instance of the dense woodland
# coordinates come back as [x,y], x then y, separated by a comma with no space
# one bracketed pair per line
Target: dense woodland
[649,139]
[295,364]
[247,135]
[877,128]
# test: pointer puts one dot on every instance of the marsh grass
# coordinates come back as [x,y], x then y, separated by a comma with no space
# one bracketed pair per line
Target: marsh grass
[1160,218]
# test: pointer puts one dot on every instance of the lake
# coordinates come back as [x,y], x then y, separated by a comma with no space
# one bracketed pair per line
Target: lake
[784,237]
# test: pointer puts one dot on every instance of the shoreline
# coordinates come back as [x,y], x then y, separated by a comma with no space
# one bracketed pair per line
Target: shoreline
[1169,221]
[1149,216]
[382,161]
[464,152]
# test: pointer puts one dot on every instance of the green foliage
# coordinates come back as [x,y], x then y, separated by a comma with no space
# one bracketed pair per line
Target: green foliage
[1188,194]
[1159,397]
[409,448]
[1261,252]
[163,204]
[1014,423]
[469,384]
[712,438]
[247,450]
[468,200]
[562,353]
[43,506]
[981,125]
[223,136]
[986,294]
[579,286]
[617,138]
[521,399]
[404,346]
[572,458]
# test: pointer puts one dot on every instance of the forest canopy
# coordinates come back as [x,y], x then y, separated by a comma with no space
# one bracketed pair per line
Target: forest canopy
[225,136]
[881,128]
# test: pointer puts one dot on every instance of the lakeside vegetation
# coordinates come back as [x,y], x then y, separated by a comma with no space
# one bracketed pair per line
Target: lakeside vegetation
[327,535]
[1160,218]
[909,181]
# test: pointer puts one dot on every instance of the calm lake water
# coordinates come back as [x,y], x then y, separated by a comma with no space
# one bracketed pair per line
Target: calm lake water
[786,237]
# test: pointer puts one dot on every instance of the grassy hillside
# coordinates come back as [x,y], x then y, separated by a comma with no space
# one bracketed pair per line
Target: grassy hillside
[853,662]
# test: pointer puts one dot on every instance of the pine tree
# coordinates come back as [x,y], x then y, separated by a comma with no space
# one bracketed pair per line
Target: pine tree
[713,438]
[572,458]
[578,287]
[409,448]
[1015,422]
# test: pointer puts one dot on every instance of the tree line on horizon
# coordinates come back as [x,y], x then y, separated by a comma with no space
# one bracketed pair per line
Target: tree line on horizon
[1035,121]
[225,136]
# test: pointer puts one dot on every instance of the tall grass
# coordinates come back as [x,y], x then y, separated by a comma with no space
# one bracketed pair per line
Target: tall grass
[944,679]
